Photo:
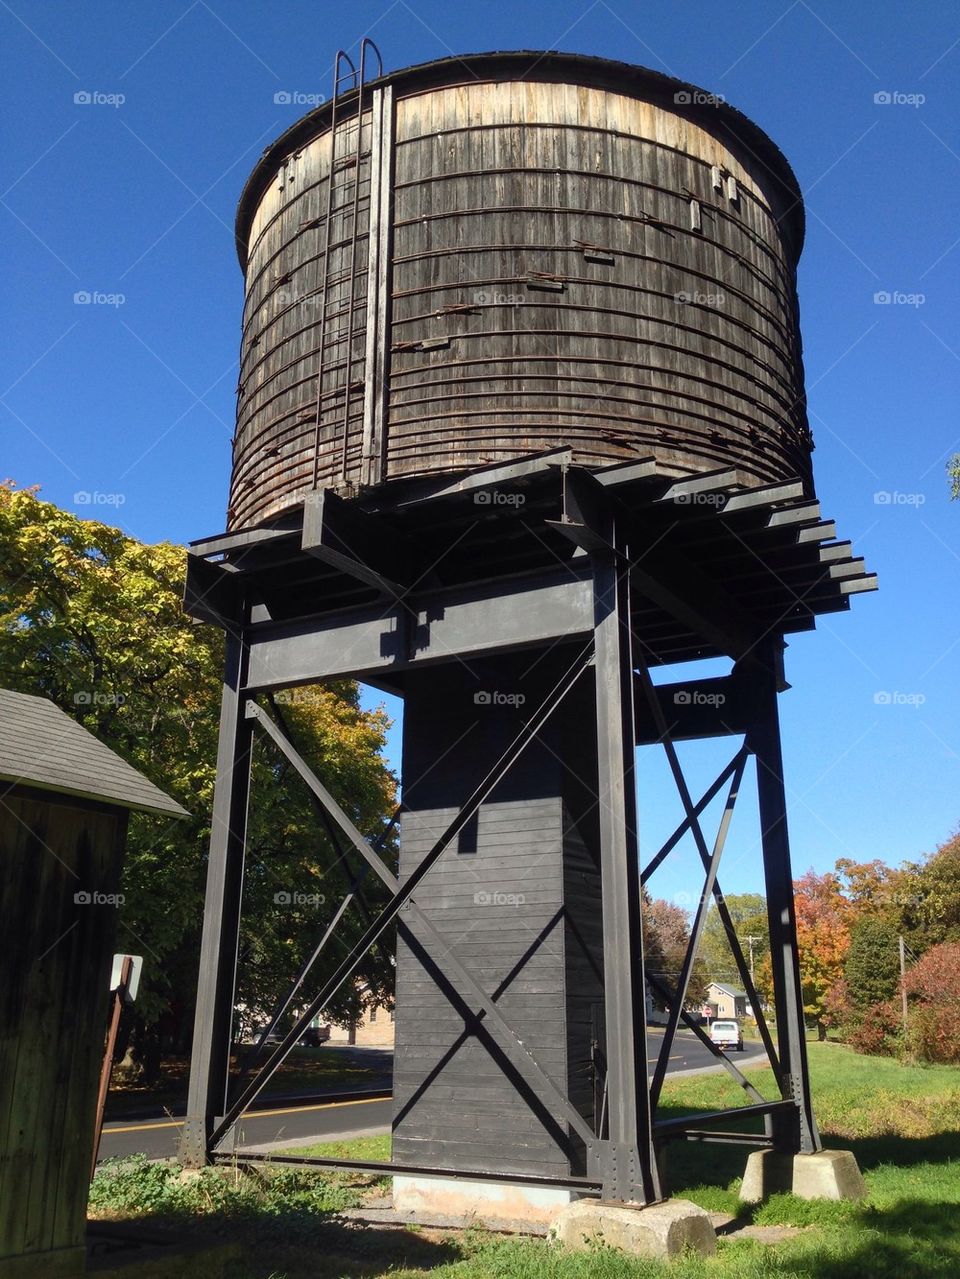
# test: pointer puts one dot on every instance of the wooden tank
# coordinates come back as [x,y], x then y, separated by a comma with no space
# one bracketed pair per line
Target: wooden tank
[518,251]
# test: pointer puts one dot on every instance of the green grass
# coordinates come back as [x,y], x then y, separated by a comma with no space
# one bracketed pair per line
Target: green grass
[374,1148]
[902,1122]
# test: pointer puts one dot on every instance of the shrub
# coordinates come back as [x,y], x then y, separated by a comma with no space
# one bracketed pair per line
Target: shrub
[878,1033]
[933,985]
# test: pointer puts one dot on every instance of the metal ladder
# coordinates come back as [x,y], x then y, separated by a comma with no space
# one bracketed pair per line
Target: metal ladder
[345,81]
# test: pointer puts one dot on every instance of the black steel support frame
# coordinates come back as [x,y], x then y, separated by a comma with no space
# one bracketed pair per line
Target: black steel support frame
[622,1162]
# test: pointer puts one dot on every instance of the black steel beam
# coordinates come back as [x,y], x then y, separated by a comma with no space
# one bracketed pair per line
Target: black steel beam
[627,1158]
[372,641]
[212,1034]
[764,741]
[681,1124]
[698,708]
[483,479]
[362,545]
[726,1138]
[212,592]
[585,1185]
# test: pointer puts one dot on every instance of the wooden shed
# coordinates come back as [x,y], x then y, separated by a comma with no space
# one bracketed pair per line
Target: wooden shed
[64,805]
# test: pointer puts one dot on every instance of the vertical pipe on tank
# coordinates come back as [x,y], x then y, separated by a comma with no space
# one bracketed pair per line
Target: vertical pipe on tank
[322,325]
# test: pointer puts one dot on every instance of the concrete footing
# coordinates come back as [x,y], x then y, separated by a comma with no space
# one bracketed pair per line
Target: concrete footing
[828,1174]
[488,1201]
[660,1230]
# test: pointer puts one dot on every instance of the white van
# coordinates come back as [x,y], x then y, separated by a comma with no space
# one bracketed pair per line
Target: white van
[727,1033]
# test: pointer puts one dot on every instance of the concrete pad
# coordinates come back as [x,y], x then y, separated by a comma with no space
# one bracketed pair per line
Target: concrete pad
[828,1174]
[489,1201]
[659,1230]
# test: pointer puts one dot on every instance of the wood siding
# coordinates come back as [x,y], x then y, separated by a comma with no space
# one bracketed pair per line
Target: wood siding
[517,899]
[54,1000]
[555,265]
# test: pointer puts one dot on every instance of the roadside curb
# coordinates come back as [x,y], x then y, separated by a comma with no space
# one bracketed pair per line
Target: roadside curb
[738,1060]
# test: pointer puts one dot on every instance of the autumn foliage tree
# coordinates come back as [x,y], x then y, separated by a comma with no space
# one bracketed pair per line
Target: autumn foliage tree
[823,939]
[666,935]
[91,618]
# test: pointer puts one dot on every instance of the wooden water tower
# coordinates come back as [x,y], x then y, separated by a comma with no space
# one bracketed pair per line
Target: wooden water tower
[521,418]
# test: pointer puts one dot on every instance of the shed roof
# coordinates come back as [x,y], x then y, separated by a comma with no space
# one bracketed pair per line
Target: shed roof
[41,746]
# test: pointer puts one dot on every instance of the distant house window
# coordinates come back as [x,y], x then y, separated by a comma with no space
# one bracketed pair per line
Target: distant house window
[373,1015]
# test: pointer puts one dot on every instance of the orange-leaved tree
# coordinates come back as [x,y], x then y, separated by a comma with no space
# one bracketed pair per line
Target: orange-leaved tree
[823,938]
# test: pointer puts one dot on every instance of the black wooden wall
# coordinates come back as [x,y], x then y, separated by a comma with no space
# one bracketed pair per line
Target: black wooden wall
[517,898]
[53,1000]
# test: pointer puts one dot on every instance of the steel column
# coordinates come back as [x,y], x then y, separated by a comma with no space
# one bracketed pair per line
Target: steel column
[213,1023]
[627,1162]
[800,1132]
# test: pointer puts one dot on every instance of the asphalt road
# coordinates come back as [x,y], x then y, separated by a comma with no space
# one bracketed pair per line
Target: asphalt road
[328,1121]
[324,1121]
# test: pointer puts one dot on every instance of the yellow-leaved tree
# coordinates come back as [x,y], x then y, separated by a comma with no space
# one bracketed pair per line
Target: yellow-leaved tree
[91,618]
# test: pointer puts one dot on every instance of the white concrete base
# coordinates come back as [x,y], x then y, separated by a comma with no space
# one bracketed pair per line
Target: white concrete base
[490,1201]
[828,1174]
[661,1230]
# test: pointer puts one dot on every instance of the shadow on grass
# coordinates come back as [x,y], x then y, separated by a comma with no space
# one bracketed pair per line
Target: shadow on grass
[905,1152]
[911,1239]
[293,1242]
[710,1174]
[348,1251]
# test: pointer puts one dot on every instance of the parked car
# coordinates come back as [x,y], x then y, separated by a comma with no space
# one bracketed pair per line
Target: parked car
[314,1036]
[727,1033]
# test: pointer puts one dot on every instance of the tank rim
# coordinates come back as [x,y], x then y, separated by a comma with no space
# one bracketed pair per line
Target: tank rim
[735,128]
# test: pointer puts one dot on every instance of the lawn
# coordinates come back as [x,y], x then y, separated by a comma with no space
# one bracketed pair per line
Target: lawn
[903,1123]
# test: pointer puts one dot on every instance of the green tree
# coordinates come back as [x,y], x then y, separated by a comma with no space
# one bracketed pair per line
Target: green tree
[749,914]
[953,474]
[91,619]
[929,898]
[872,967]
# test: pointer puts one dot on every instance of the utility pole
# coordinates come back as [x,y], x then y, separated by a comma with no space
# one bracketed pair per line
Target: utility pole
[903,983]
[750,939]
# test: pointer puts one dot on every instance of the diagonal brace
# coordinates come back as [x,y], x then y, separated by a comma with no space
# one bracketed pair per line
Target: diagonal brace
[403,893]
[511,1042]
[692,1024]
[707,798]
[722,911]
[695,933]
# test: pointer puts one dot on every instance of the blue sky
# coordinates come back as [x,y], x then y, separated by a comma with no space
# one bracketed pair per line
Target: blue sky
[131,400]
